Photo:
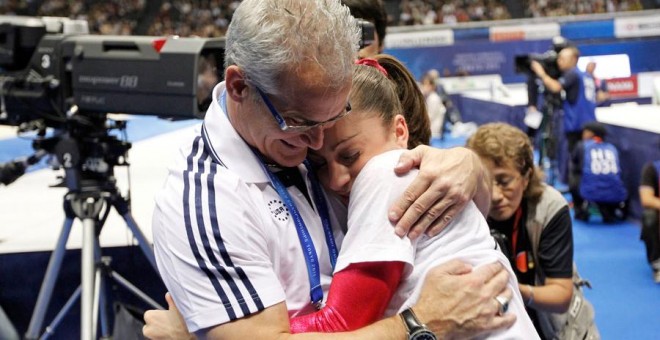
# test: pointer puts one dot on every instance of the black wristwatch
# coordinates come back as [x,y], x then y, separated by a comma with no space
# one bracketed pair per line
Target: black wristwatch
[416,330]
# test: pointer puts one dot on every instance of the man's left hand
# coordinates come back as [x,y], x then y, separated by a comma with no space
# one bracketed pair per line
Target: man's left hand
[448,179]
[166,324]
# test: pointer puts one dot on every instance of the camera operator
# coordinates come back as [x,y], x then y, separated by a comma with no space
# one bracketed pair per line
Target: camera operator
[535,87]
[579,93]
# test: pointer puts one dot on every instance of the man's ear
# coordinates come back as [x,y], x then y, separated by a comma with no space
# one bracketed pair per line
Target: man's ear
[237,88]
[401,131]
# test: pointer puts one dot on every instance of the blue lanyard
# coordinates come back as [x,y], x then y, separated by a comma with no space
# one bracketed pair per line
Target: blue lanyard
[309,252]
[311,259]
[322,206]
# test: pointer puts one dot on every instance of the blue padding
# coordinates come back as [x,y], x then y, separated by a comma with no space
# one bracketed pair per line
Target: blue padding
[471,34]
[483,111]
[15,147]
[588,30]
[144,127]
[138,129]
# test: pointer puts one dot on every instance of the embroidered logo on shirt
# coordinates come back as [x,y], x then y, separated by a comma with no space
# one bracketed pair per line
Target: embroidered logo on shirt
[279,210]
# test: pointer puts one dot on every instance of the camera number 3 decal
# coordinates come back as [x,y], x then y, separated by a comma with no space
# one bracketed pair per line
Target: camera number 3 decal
[45,61]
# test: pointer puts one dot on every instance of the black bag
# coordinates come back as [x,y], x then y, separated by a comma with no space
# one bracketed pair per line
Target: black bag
[578,322]
[128,323]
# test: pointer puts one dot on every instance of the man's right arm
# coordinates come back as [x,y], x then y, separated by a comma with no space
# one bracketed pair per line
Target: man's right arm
[455,302]
[550,83]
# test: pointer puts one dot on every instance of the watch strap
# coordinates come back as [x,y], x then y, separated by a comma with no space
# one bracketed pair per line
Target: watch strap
[410,321]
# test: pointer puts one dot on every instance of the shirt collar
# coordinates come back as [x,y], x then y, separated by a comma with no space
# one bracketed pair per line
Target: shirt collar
[228,146]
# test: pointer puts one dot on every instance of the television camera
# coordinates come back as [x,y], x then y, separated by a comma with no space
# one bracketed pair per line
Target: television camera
[55,75]
[547,59]
[60,82]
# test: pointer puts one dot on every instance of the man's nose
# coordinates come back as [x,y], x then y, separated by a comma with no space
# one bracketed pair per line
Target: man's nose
[314,137]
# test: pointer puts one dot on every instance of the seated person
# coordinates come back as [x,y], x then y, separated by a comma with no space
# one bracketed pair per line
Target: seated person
[649,195]
[595,176]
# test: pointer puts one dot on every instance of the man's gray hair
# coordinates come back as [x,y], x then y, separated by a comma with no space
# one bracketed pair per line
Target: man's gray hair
[267,38]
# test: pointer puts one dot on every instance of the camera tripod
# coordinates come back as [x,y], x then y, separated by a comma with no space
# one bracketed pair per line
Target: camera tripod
[548,141]
[86,205]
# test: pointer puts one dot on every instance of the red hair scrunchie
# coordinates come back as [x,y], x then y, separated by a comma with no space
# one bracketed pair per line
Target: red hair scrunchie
[373,63]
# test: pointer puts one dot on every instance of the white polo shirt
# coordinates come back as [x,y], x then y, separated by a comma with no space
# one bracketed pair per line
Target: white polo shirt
[225,245]
[371,238]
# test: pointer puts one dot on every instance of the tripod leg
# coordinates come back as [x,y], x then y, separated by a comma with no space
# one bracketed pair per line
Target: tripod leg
[95,303]
[87,209]
[88,277]
[128,285]
[142,240]
[48,284]
[60,315]
[122,207]
[101,297]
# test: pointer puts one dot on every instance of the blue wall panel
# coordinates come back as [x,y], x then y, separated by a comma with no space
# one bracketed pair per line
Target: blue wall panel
[588,30]
[482,33]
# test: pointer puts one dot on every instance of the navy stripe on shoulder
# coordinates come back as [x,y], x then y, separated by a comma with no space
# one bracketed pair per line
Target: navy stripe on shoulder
[220,261]
[215,226]
[199,208]
[191,237]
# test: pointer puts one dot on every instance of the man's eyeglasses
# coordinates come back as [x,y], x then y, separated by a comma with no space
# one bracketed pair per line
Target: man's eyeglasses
[290,124]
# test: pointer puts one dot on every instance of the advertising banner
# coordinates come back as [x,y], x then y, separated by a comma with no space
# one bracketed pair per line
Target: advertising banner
[524,32]
[623,87]
[420,39]
[637,27]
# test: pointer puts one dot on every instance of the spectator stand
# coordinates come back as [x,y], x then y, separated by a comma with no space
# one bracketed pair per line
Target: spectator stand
[116,17]
[193,18]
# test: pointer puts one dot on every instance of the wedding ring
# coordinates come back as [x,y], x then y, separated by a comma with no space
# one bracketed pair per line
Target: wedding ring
[504,304]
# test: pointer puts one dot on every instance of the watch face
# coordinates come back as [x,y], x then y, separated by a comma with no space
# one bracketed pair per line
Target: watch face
[423,335]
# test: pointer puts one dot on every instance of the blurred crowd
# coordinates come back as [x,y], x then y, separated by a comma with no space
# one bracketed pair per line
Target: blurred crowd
[187,17]
[209,18]
[429,12]
[551,8]
[104,17]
